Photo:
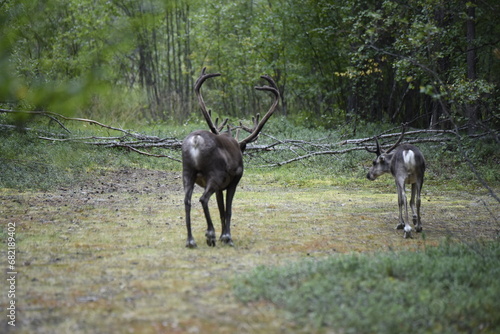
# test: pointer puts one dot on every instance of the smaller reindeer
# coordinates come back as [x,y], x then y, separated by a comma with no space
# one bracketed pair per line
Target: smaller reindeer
[407,165]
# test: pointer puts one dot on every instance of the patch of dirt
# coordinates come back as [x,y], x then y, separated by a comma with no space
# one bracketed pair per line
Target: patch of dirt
[108,255]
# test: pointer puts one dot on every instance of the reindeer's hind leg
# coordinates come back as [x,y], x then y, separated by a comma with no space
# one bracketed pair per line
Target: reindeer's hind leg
[412,203]
[415,197]
[225,236]
[210,233]
[403,205]
[188,189]
[222,211]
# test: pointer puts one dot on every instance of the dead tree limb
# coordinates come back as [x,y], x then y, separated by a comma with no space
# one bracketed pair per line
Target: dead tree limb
[150,154]
[351,149]
[56,117]
[409,133]
[138,142]
[26,129]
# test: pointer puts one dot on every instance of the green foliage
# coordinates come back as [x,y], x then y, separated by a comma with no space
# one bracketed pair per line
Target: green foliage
[333,62]
[30,163]
[119,106]
[52,54]
[448,289]
[27,163]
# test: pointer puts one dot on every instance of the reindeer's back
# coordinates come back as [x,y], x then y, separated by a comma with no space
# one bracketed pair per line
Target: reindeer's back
[410,158]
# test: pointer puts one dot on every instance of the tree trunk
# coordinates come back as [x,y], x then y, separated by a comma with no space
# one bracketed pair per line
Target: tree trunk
[471,109]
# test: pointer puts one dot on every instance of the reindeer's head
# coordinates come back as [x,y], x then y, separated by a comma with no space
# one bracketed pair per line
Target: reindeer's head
[382,163]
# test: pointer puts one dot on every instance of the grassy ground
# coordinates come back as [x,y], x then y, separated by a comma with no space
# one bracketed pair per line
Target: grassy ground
[108,255]
[452,288]
[100,238]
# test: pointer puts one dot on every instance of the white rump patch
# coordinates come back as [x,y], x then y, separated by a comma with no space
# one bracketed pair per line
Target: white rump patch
[196,143]
[409,159]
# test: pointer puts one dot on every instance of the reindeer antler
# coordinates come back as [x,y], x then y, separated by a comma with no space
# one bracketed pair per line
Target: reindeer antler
[257,126]
[206,114]
[379,150]
[403,129]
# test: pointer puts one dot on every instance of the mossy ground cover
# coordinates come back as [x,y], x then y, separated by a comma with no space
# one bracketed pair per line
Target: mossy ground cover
[108,255]
[100,238]
[451,288]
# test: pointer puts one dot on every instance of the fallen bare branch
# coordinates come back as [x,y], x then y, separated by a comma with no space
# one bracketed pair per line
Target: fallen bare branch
[138,142]
[409,133]
[25,129]
[119,142]
[149,154]
[56,117]
[351,149]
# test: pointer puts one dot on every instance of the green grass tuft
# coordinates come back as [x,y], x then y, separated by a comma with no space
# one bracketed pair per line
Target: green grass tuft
[447,289]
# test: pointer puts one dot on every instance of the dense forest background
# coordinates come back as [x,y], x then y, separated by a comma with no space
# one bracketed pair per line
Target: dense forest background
[432,63]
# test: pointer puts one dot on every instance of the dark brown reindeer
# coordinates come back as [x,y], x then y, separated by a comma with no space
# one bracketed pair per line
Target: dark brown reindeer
[407,165]
[214,161]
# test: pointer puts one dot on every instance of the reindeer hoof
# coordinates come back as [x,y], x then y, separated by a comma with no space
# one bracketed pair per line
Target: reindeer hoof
[400,226]
[210,235]
[407,233]
[211,241]
[226,239]
[418,228]
[191,244]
